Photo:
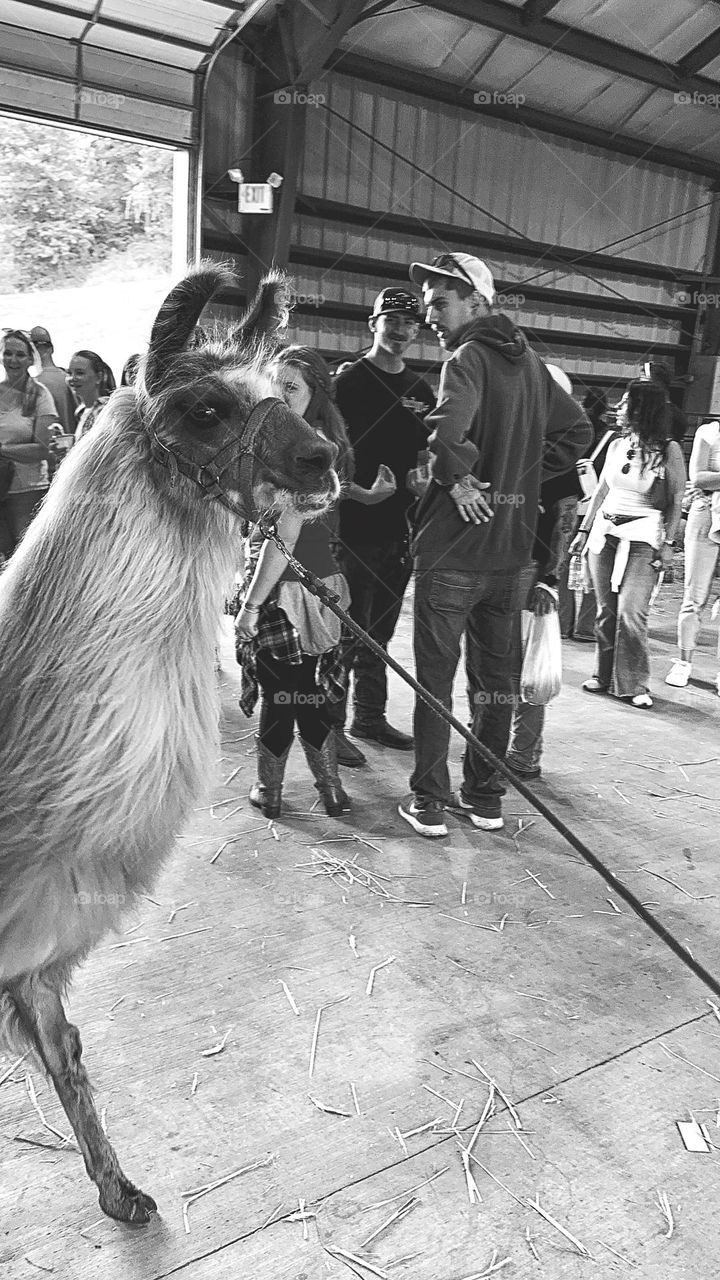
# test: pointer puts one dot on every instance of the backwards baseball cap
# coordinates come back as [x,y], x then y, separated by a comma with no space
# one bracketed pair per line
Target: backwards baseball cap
[458,266]
[389,300]
[40,336]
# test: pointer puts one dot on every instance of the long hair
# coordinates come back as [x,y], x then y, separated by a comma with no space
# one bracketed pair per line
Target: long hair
[102,371]
[322,411]
[648,417]
[31,390]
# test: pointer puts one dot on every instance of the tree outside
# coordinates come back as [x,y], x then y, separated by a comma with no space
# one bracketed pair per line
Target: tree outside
[86,226]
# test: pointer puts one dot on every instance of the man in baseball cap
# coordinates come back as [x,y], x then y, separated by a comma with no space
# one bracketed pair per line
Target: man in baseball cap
[384,404]
[457,266]
[53,377]
[394,301]
[501,425]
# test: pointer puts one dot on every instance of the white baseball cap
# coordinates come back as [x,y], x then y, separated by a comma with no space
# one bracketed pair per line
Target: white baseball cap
[458,266]
[559,375]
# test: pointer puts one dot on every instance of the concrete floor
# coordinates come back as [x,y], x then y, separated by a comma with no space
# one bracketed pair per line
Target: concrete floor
[562,996]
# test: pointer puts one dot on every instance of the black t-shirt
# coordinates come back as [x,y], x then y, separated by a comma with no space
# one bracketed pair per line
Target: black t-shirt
[384,414]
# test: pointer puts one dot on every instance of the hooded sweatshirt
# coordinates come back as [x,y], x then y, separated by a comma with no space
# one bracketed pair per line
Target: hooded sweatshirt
[501,417]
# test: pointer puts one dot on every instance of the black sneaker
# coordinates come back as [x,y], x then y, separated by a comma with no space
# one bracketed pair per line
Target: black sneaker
[425,817]
[523,770]
[383,733]
[347,753]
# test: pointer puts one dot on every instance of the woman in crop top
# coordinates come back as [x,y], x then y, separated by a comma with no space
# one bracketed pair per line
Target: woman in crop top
[702,544]
[288,643]
[627,535]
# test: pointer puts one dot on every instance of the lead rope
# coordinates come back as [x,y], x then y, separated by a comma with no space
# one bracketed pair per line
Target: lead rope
[317,588]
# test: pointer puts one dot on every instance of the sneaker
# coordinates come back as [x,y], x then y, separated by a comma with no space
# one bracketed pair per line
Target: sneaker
[348,755]
[383,733]
[593,685]
[642,700]
[424,816]
[479,820]
[679,674]
[523,770]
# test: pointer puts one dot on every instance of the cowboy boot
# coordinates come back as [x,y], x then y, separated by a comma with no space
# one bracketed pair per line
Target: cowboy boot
[324,769]
[266,793]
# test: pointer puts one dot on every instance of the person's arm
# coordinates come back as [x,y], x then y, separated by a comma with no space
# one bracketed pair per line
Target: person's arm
[675,484]
[462,385]
[601,492]
[269,570]
[36,450]
[700,476]
[383,487]
[453,453]
[568,435]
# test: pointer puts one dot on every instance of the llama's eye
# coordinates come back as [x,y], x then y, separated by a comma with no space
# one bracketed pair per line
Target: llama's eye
[204,415]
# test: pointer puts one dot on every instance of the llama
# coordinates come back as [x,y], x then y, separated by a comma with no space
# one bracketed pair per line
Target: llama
[108,699]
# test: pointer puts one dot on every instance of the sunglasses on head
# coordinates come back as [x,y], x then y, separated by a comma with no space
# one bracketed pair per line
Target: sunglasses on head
[446,261]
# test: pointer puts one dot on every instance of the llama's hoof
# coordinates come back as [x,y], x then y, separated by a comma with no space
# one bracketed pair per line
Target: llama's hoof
[125,1202]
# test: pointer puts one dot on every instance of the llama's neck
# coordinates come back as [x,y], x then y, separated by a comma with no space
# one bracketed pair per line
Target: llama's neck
[133,559]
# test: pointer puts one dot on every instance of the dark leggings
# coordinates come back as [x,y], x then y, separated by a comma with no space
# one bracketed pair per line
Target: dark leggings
[290,696]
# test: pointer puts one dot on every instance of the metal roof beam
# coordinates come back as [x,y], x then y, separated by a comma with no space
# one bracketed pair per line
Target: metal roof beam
[534,9]
[538,251]
[585,46]
[114,24]
[391,76]
[703,53]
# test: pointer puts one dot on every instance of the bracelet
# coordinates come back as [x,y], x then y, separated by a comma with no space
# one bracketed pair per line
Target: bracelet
[252,608]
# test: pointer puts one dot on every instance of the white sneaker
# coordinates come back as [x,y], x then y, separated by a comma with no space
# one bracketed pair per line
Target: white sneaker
[679,674]
[478,819]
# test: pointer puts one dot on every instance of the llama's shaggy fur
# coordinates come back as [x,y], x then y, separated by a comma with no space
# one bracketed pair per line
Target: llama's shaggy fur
[108,699]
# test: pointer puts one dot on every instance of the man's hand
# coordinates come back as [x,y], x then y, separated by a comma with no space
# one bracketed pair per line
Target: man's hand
[468,498]
[544,600]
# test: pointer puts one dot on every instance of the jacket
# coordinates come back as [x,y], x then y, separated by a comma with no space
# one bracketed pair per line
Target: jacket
[500,416]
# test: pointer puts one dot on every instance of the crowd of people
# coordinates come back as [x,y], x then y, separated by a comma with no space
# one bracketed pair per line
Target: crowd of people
[482,493]
[486,494]
[41,415]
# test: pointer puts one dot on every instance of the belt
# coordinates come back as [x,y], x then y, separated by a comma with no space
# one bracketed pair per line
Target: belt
[619,519]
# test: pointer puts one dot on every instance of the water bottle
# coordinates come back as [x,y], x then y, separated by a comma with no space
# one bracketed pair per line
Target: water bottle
[576,574]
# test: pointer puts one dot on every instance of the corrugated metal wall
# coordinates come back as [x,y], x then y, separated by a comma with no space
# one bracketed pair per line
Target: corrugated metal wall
[451,173]
[494,176]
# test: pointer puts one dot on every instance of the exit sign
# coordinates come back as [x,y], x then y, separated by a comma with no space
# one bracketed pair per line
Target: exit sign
[255,197]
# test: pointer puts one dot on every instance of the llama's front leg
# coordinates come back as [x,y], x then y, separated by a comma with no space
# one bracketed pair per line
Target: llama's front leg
[42,1019]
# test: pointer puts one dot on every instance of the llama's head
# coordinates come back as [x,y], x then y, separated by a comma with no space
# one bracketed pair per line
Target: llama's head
[212,409]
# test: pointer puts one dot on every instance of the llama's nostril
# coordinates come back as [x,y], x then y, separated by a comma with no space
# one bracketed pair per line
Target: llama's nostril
[320,458]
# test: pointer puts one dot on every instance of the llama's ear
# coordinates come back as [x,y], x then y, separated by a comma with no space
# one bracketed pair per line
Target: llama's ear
[268,313]
[178,315]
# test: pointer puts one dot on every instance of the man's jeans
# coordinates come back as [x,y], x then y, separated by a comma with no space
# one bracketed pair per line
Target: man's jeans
[448,604]
[377,577]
